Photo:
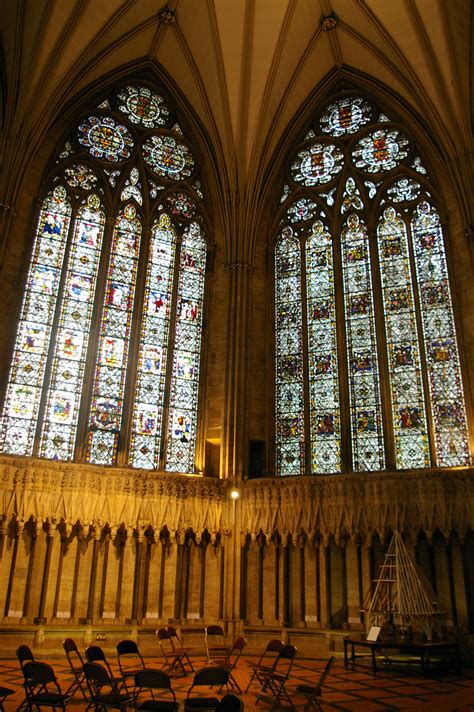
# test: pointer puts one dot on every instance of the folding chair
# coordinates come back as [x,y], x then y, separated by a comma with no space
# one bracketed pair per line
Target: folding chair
[130,660]
[158,685]
[274,681]
[76,663]
[24,655]
[230,703]
[42,688]
[314,693]
[104,691]
[266,660]
[207,677]
[179,647]
[232,658]
[216,645]
[173,664]
[4,693]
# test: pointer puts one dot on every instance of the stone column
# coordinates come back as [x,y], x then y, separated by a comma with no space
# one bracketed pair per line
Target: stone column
[40,619]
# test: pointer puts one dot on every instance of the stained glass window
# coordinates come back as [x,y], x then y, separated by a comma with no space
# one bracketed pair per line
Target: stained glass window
[445,383]
[70,349]
[26,378]
[168,158]
[182,420]
[362,294]
[149,401]
[325,426]
[289,393]
[364,387]
[106,362]
[408,409]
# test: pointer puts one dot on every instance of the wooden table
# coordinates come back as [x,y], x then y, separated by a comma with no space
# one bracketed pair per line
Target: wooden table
[448,650]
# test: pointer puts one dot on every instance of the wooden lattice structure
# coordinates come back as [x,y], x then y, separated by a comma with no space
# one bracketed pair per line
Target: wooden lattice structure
[399,596]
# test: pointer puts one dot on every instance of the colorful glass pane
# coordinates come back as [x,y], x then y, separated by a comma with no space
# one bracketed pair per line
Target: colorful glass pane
[289,392]
[107,397]
[80,176]
[168,158]
[317,164]
[184,386]
[104,138]
[364,390]
[143,106]
[132,189]
[380,150]
[407,399]
[303,209]
[147,420]
[404,189]
[181,205]
[345,116]
[325,426]
[445,382]
[26,378]
[70,348]
[351,199]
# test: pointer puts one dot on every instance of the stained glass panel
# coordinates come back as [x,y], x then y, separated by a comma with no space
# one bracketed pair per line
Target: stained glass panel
[184,386]
[303,209]
[181,205]
[70,348]
[147,420]
[351,199]
[447,400]
[407,400]
[289,392]
[167,157]
[80,176]
[104,138]
[143,106]
[132,189]
[403,190]
[25,382]
[107,398]
[380,150]
[345,116]
[325,426]
[317,164]
[364,389]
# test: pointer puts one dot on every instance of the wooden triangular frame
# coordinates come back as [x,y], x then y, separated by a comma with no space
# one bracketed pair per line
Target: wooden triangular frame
[399,595]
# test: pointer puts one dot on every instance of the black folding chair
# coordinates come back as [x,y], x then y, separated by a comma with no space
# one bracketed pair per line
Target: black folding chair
[76,663]
[267,659]
[42,688]
[173,664]
[230,703]
[207,677]
[235,651]
[157,685]
[274,681]
[314,692]
[95,654]
[24,655]
[130,660]
[4,693]
[216,644]
[104,691]
[179,647]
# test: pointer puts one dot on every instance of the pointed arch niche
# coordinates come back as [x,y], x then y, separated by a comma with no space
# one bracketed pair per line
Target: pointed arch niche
[106,362]
[367,368]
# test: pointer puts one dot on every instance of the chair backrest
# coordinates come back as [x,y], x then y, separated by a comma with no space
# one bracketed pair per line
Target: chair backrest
[284,661]
[214,630]
[210,677]
[236,651]
[153,680]
[129,656]
[40,680]
[97,677]
[95,654]
[72,653]
[214,636]
[24,655]
[326,672]
[39,673]
[230,703]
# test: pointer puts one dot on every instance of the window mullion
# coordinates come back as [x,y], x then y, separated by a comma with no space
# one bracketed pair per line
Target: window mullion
[308,467]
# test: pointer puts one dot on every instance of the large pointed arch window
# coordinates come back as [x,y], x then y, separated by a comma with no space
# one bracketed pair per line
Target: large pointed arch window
[367,366]
[107,356]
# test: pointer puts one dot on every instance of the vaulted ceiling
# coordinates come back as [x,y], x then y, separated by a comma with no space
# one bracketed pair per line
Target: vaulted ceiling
[245,66]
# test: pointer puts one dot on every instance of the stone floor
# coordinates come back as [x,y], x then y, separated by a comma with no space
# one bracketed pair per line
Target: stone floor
[349,690]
